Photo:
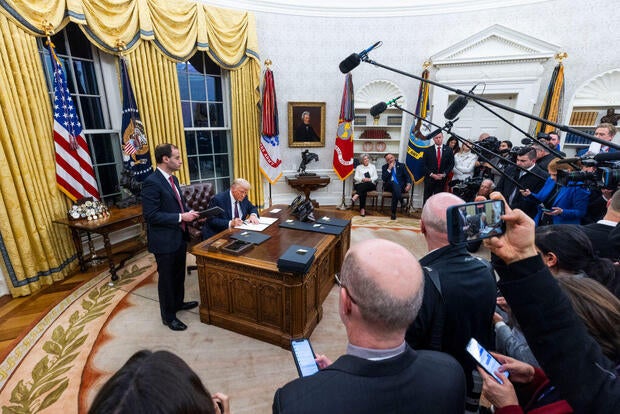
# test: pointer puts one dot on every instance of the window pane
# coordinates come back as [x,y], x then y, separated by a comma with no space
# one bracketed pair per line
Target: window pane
[86,79]
[183,87]
[222,184]
[80,46]
[201,115]
[108,179]
[197,88]
[103,147]
[190,143]
[70,84]
[204,142]
[192,165]
[186,109]
[92,112]
[214,87]
[216,114]
[221,165]
[207,169]
[220,142]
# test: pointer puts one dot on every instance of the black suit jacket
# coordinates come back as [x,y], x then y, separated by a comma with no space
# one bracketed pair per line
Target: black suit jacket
[219,223]
[599,236]
[430,161]
[529,181]
[161,211]
[412,382]
[402,175]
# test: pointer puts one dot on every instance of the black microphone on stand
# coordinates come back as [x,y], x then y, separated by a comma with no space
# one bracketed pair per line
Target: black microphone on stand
[457,106]
[379,108]
[354,59]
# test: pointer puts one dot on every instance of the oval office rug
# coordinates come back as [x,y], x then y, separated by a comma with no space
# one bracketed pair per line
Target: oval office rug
[66,357]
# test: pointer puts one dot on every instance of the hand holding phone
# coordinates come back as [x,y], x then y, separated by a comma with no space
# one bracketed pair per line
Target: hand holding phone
[484,359]
[304,357]
[475,221]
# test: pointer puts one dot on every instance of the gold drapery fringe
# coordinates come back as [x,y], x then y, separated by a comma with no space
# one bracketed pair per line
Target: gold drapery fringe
[39,251]
[155,84]
[246,128]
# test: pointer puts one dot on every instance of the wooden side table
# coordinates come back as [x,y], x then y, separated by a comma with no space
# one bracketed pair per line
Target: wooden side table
[308,183]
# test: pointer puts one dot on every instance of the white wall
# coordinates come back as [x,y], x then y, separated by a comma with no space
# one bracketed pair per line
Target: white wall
[306,51]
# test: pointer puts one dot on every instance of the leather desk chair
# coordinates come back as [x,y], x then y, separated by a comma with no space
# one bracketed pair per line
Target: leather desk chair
[197,196]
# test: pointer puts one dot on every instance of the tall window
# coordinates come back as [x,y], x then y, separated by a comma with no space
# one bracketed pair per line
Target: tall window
[205,120]
[82,67]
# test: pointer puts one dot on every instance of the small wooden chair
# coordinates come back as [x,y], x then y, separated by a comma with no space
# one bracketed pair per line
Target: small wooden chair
[371,196]
[388,194]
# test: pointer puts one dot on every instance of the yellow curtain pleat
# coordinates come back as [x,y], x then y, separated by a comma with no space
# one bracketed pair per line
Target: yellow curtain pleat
[246,127]
[38,251]
[155,84]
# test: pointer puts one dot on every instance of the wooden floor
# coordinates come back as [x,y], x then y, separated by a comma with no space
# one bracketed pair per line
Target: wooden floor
[17,316]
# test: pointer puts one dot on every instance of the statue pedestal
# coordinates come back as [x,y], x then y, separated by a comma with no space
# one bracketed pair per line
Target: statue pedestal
[308,183]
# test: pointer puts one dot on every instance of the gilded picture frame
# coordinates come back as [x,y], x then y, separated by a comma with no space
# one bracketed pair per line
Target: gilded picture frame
[306,124]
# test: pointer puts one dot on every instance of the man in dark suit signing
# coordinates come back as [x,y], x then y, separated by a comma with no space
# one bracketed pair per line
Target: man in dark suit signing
[396,180]
[167,217]
[236,208]
[438,162]
[380,373]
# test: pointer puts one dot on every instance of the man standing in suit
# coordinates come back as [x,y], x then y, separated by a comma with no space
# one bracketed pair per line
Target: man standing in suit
[532,179]
[600,231]
[396,180]
[236,208]
[461,305]
[438,162]
[167,217]
[379,373]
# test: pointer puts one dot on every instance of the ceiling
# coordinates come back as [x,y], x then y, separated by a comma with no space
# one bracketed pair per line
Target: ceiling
[366,8]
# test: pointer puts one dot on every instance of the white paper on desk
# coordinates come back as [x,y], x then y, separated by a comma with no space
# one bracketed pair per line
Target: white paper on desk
[263,223]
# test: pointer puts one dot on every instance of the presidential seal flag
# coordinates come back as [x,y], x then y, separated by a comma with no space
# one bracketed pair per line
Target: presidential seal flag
[269,158]
[136,153]
[343,150]
[417,140]
[74,168]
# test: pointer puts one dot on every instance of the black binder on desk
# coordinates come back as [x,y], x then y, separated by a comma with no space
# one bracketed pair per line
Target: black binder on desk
[333,221]
[296,259]
[309,226]
[253,237]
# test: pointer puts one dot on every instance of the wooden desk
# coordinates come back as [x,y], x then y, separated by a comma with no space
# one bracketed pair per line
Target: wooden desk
[247,294]
[307,184]
[118,219]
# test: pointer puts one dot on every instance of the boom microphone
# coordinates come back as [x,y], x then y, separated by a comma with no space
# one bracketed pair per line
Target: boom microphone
[433,134]
[379,108]
[354,59]
[607,156]
[571,160]
[457,106]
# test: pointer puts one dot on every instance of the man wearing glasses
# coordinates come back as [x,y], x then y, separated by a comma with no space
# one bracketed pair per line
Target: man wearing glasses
[380,373]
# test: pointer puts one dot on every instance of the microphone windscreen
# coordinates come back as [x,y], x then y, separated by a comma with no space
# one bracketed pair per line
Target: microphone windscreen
[350,63]
[568,160]
[455,107]
[526,141]
[433,134]
[378,109]
[607,156]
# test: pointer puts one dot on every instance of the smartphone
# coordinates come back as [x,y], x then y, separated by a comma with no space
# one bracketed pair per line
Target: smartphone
[304,357]
[475,221]
[546,210]
[484,359]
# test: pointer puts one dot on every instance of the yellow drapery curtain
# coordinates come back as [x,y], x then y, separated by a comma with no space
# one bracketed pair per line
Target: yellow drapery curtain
[155,84]
[37,251]
[155,33]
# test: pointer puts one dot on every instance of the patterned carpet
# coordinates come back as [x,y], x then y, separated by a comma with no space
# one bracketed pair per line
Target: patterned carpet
[62,362]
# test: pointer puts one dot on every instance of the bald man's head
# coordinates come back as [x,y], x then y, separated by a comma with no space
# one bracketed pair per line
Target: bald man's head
[386,281]
[434,223]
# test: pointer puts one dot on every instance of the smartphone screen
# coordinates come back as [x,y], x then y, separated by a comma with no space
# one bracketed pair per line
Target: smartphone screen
[304,357]
[484,359]
[475,221]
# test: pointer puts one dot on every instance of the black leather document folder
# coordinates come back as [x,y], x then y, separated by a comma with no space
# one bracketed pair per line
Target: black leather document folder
[254,237]
[296,259]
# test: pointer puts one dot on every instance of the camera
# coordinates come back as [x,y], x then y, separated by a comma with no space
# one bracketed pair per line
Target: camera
[607,175]
[467,189]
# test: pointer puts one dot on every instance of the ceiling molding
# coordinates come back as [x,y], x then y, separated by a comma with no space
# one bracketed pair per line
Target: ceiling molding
[602,90]
[366,8]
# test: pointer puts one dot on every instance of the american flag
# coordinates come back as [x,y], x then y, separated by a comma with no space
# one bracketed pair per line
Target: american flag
[74,169]
[129,149]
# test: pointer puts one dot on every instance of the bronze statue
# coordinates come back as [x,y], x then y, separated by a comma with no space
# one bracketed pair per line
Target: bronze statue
[306,158]
[611,117]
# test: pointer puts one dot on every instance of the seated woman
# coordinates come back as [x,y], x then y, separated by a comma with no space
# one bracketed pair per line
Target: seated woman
[364,180]
[159,383]
[560,204]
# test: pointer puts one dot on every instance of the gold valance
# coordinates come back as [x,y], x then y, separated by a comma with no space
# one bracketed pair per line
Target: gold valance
[178,28]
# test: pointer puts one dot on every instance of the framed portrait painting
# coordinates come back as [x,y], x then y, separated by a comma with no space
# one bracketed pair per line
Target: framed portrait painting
[306,124]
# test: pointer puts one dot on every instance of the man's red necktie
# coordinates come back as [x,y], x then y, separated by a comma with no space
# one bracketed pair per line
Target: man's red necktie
[438,159]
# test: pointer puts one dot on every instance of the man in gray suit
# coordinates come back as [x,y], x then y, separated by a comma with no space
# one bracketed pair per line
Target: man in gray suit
[380,373]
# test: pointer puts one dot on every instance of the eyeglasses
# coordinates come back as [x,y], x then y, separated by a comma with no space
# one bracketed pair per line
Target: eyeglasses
[344,287]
